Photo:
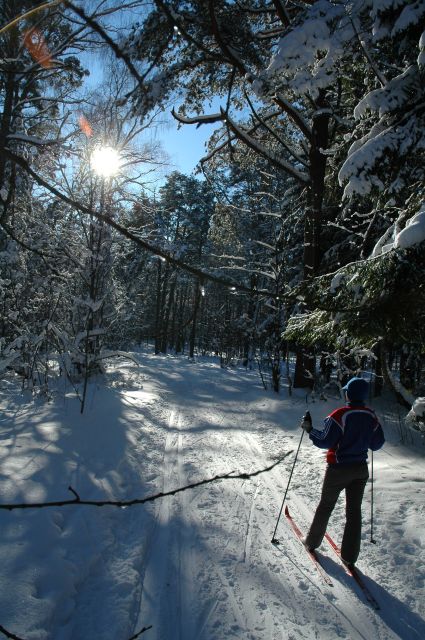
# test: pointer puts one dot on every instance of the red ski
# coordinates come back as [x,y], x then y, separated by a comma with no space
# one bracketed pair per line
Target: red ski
[352,571]
[312,554]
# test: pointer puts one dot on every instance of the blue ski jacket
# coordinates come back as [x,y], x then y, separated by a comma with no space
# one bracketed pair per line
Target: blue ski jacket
[348,434]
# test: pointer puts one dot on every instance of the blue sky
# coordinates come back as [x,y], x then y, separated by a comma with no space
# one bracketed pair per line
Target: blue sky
[186,145]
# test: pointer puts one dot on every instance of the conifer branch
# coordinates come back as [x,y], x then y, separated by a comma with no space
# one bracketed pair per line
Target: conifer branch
[227,51]
[282,12]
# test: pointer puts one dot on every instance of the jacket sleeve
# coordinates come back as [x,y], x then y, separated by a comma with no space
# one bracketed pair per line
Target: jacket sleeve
[329,436]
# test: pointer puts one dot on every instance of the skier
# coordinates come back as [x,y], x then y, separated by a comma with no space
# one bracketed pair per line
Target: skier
[348,434]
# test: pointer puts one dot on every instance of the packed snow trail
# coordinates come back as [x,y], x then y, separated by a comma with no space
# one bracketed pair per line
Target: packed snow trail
[199,565]
[240,586]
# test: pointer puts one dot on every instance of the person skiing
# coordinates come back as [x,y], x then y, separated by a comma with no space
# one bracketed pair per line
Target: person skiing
[348,433]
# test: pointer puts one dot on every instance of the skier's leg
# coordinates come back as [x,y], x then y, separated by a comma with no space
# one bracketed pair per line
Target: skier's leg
[333,484]
[350,546]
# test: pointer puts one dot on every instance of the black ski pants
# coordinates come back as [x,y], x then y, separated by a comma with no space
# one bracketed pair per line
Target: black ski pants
[353,478]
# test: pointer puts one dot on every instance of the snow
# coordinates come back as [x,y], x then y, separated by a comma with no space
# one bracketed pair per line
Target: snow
[376,147]
[414,231]
[200,564]
[385,242]
[380,8]
[398,104]
[415,419]
[396,94]
[336,282]
[307,56]
[419,407]
[411,14]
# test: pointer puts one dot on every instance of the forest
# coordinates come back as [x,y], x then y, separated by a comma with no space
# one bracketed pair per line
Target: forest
[301,232]
[294,252]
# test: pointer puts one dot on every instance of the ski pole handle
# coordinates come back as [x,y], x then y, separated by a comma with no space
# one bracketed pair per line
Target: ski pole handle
[307,423]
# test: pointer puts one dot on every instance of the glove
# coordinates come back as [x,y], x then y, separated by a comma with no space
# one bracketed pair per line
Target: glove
[306,423]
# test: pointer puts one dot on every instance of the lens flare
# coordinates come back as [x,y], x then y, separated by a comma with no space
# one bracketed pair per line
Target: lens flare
[85,126]
[36,45]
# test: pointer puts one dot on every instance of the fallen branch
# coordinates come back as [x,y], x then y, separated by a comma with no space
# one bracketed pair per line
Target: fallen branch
[139,633]
[7,633]
[232,475]
[12,635]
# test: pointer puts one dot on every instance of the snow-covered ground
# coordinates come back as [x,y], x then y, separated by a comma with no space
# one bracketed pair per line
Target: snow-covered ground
[198,565]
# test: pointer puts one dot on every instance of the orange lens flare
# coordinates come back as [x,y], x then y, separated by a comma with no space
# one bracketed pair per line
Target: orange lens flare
[85,126]
[36,45]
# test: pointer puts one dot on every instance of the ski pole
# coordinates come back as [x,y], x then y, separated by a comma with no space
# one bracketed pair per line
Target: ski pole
[274,540]
[373,541]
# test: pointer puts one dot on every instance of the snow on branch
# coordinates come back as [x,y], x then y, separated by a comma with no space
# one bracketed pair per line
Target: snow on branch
[232,138]
[231,475]
[287,146]
[198,120]
[38,142]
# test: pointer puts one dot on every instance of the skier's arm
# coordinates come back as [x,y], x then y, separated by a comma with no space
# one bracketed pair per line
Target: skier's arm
[329,436]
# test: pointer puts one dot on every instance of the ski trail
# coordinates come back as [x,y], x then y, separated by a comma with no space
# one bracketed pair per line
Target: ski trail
[156,604]
[249,526]
[171,560]
[345,600]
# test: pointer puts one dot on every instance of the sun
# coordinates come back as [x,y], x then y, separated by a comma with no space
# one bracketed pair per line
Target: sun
[105,161]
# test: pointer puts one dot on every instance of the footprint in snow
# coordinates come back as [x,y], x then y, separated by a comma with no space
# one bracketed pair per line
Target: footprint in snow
[303,585]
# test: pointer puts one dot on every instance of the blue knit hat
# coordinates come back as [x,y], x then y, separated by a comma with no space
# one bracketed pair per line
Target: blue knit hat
[357,389]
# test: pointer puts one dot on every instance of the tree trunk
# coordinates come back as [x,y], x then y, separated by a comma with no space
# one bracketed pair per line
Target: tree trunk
[305,369]
[197,300]
[174,311]
[158,308]
[166,321]
[180,342]
[379,373]
[6,117]
[407,369]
